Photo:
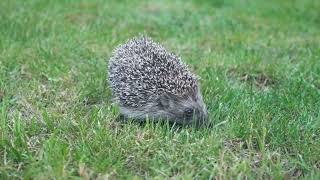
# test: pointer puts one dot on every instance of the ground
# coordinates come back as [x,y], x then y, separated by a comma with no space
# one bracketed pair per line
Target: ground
[259,63]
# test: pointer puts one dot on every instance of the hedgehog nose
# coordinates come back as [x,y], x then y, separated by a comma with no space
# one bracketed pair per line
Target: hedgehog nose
[204,117]
[204,114]
[203,120]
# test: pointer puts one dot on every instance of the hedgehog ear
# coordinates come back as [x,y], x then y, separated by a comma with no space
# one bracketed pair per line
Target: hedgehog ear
[164,101]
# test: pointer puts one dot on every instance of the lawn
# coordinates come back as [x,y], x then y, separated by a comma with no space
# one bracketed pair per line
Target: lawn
[259,63]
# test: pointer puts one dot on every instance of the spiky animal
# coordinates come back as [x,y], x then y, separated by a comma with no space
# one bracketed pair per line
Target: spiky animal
[148,81]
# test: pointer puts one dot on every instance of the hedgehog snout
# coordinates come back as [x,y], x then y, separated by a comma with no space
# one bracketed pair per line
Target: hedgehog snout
[182,109]
[197,109]
[203,115]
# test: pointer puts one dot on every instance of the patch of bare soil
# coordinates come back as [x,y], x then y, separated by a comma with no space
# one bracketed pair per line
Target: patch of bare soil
[259,79]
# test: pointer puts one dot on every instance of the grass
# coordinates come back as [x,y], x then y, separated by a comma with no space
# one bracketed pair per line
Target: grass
[260,77]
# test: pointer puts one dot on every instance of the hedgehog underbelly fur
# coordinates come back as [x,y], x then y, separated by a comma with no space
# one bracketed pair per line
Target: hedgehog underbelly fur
[142,75]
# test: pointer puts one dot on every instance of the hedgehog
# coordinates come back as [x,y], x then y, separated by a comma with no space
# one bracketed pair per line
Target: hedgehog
[148,82]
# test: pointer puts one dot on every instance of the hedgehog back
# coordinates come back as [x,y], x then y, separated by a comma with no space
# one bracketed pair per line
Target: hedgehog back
[140,70]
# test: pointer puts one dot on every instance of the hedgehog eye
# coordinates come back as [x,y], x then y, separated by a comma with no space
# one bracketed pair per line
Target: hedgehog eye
[189,112]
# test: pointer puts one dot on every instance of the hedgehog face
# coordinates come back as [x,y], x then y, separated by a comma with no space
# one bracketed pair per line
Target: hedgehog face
[188,109]
[184,110]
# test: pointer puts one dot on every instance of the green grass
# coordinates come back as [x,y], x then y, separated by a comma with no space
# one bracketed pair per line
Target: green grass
[259,63]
